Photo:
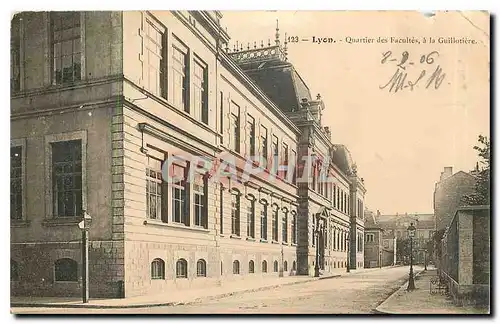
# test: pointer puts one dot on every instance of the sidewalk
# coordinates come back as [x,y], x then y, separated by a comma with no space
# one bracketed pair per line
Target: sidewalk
[421,301]
[180,297]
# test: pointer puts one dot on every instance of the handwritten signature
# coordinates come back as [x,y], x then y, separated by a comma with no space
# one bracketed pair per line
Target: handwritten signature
[401,80]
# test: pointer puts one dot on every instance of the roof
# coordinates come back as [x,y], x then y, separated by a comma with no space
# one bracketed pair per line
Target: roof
[342,158]
[398,220]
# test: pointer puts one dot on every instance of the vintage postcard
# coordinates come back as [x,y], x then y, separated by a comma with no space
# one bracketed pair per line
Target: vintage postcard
[250,162]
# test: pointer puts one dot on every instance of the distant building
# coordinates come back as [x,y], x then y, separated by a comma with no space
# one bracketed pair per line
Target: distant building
[448,194]
[373,241]
[396,226]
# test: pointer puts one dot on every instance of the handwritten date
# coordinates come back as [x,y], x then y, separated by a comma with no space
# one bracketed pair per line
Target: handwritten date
[402,78]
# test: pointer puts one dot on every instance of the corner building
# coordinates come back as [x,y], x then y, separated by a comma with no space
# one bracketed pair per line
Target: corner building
[99,102]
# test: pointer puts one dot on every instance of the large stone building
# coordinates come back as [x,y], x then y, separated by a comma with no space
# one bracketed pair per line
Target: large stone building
[102,103]
[448,194]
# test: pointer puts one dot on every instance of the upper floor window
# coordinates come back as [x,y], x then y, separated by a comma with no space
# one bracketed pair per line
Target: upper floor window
[15,55]
[284,227]
[66,270]
[263,222]
[200,200]
[235,127]
[275,154]
[180,84]
[275,223]
[158,269]
[67,178]
[235,214]
[154,58]
[200,91]
[66,46]
[16,183]
[292,170]
[263,145]
[284,160]
[250,136]
[154,189]
[221,113]
[251,218]
[179,193]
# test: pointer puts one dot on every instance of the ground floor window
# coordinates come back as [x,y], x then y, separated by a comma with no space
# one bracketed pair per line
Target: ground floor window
[181,268]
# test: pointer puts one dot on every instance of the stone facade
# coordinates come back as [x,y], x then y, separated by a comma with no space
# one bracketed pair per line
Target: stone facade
[140,88]
[448,194]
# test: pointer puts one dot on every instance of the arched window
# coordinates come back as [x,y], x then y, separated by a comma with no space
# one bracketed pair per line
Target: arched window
[66,270]
[236,267]
[181,268]
[251,267]
[264,266]
[294,266]
[285,266]
[201,268]
[293,227]
[334,265]
[14,270]
[275,266]
[158,269]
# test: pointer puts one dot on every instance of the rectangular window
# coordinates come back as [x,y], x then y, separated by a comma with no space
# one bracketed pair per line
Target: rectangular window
[153,189]
[275,157]
[154,59]
[200,91]
[15,55]
[284,228]
[293,166]
[179,211]
[235,214]
[67,178]
[274,225]
[66,46]
[251,219]
[284,160]
[221,209]
[235,127]
[180,85]
[221,114]
[250,136]
[263,145]
[263,222]
[293,228]
[199,202]
[16,183]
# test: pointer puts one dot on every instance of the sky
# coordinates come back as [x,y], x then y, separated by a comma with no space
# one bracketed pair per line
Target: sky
[399,141]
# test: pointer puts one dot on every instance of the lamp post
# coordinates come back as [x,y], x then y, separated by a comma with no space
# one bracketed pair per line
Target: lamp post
[411,234]
[316,265]
[280,274]
[348,249]
[84,226]
[425,259]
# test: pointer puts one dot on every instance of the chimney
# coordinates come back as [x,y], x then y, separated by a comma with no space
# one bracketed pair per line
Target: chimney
[448,172]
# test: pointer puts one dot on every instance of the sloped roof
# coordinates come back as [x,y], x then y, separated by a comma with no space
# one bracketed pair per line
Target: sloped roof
[342,158]
[419,220]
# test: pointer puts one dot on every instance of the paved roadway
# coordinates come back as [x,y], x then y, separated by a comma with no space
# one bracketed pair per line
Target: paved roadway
[357,293]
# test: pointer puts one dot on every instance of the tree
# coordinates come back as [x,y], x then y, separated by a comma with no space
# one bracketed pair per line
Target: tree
[482,189]
[403,249]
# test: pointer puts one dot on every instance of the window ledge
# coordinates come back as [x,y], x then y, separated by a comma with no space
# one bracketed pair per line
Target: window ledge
[263,240]
[251,239]
[19,223]
[275,242]
[62,221]
[294,244]
[161,224]
[234,236]
[284,243]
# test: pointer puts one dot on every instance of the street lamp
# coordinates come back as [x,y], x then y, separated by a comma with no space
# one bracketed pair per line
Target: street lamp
[84,226]
[316,266]
[348,249]
[425,259]
[411,234]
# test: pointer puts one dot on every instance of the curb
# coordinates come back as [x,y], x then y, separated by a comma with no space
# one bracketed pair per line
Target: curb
[178,303]
[377,309]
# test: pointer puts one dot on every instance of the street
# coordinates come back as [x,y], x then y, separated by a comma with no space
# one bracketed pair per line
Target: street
[357,293]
